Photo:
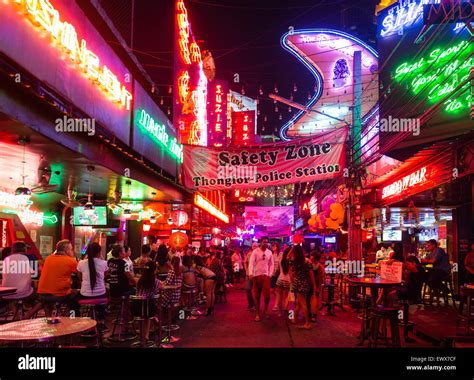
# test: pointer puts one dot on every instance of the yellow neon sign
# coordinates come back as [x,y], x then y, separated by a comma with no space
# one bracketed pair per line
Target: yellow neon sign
[203,203]
[44,15]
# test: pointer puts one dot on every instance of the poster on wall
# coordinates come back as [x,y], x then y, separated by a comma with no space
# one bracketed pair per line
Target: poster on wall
[46,245]
[304,160]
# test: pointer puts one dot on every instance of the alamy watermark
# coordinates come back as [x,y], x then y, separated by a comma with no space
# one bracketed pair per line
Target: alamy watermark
[74,125]
[396,125]
[238,173]
[19,267]
[356,267]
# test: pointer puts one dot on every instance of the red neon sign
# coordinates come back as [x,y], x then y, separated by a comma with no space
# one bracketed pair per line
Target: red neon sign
[244,126]
[45,16]
[406,183]
[217,113]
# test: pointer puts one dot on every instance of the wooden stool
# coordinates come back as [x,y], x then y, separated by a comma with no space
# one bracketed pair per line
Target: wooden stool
[381,315]
[467,296]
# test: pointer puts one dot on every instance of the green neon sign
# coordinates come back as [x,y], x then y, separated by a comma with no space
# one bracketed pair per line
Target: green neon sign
[159,134]
[50,219]
[439,73]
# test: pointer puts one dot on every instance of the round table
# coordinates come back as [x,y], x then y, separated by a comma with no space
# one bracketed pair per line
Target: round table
[373,283]
[7,291]
[39,330]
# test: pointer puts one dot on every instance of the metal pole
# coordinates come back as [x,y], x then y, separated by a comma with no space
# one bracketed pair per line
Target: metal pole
[355,232]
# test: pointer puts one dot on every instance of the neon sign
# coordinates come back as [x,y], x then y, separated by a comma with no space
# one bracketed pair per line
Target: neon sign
[189,52]
[44,15]
[15,201]
[319,50]
[405,183]
[4,232]
[158,132]
[401,16]
[203,203]
[440,72]
[218,108]
[21,206]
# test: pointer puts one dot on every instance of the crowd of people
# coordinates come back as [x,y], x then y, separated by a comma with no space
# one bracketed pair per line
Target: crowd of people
[288,273]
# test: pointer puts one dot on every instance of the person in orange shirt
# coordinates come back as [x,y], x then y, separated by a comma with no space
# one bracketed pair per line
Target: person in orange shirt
[55,284]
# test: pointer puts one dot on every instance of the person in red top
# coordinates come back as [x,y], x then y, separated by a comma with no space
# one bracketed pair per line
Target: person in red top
[55,284]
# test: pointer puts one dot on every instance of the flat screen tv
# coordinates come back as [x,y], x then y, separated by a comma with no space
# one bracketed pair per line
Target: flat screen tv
[329,240]
[392,235]
[97,218]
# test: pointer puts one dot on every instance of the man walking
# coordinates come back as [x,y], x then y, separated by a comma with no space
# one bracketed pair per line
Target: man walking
[260,271]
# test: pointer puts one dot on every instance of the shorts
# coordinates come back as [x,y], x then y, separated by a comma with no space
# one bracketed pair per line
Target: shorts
[262,284]
[283,284]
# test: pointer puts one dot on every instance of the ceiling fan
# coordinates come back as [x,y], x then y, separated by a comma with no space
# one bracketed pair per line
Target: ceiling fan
[70,201]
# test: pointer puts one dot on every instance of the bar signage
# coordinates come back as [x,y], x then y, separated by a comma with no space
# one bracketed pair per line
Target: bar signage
[158,132]
[206,205]
[409,181]
[64,34]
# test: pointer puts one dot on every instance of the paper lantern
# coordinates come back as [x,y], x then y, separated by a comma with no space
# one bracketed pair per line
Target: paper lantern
[297,238]
[179,217]
[178,240]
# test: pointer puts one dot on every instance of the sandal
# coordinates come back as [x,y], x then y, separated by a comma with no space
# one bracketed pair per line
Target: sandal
[305,327]
[257,319]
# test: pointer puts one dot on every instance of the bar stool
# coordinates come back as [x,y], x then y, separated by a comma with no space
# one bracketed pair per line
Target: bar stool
[120,320]
[142,307]
[445,290]
[189,295]
[90,305]
[169,339]
[380,316]
[19,309]
[467,296]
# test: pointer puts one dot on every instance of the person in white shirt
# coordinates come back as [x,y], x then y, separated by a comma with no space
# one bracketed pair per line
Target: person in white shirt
[260,271]
[92,271]
[128,260]
[17,271]
[381,254]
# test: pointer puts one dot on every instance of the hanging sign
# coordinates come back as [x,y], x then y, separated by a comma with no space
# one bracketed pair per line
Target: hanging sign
[303,160]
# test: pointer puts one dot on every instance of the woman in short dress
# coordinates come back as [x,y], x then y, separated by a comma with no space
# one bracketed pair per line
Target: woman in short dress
[283,283]
[302,281]
[171,297]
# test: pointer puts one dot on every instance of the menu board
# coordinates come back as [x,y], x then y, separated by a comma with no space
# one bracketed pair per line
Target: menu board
[391,271]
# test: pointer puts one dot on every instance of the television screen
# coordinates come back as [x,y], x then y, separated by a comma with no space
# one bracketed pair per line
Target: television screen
[329,240]
[426,235]
[97,218]
[392,235]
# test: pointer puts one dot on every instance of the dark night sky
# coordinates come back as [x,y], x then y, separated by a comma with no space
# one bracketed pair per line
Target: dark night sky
[244,38]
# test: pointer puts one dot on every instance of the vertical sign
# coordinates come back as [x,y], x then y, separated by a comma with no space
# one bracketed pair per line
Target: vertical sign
[243,119]
[190,83]
[217,113]
[244,128]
